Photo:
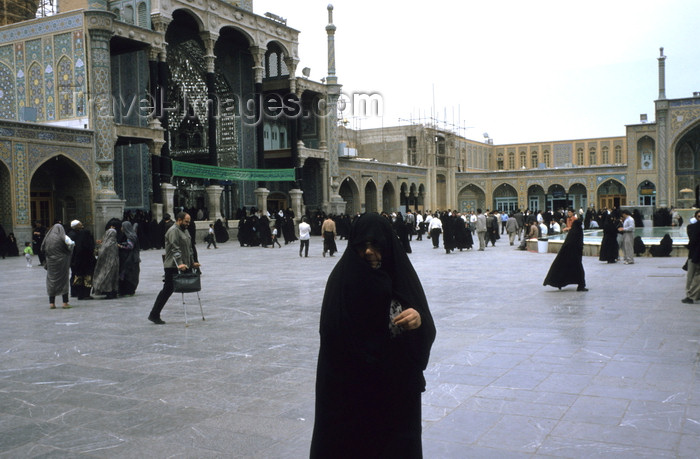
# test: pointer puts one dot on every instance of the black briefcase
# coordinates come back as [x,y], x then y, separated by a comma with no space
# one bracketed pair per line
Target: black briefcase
[187,281]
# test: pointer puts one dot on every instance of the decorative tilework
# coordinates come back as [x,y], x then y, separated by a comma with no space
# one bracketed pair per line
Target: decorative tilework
[39,153]
[19,75]
[62,44]
[6,206]
[35,86]
[7,55]
[64,75]
[41,27]
[6,153]
[21,185]
[8,108]
[49,79]
[79,68]
[41,87]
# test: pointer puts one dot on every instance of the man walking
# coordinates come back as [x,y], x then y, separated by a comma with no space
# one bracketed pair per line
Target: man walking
[178,257]
[481,229]
[627,231]
[328,231]
[692,282]
[304,236]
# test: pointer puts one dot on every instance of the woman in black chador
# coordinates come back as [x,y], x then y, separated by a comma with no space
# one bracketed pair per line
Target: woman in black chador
[376,333]
[567,267]
[664,248]
[609,248]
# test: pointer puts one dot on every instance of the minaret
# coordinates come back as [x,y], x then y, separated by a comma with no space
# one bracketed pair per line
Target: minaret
[663,192]
[662,74]
[336,204]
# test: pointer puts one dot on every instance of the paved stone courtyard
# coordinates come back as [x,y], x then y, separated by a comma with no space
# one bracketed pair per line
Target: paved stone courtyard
[518,370]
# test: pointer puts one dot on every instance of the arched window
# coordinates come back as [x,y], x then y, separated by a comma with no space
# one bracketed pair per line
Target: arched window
[143,16]
[196,140]
[65,87]
[272,65]
[129,14]
[267,143]
[618,154]
[604,156]
[275,141]
[499,163]
[592,157]
[511,160]
[283,138]
[546,158]
[523,160]
[533,160]
[579,156]
[275,66]
[685,157]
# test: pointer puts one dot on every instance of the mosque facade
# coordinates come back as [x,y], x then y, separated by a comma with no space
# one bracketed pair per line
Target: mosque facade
[100,102]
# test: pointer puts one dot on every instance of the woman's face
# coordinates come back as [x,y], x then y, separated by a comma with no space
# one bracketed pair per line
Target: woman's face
[371,254]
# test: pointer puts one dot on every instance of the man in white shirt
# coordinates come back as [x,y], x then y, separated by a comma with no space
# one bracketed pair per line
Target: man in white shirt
[435,228]
[627,231]
[304,236]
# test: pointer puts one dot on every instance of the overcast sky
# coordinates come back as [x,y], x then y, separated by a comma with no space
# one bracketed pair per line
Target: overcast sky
[519,71]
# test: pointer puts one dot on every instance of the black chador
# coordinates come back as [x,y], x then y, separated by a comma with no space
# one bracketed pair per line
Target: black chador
[567,267]
[370,376]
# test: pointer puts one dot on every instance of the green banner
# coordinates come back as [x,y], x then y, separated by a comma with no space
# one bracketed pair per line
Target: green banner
[182,169]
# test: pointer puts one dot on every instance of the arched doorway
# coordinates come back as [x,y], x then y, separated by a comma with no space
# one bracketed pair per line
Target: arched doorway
[276,201]
[611,195]
[350,194]
[370,197]
[413,198]
[557,197]
[578,195]
[403,197]
[536,199]
[470,198]
[389,198]
[60,190]
[647,193]
[311,184]
[687,168]
[505,198]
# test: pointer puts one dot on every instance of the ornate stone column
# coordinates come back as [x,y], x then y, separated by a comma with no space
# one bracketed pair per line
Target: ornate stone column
[336,205]
[259,57]
[261,195]
[297,205]
[214,201]
[107,203]
[168,192]
[213,106]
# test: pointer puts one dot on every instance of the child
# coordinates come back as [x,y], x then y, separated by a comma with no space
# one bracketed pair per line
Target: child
[274,238]
[211,237]
[28,253]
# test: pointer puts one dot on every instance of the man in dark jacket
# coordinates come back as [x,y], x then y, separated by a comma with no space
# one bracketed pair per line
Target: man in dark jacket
[692,283]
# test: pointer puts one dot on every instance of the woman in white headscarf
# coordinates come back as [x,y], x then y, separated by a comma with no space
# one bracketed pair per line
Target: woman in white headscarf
[57,248]
[105,281]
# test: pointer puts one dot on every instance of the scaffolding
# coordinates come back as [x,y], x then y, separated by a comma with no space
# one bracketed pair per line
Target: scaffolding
[12,11]
[46,8]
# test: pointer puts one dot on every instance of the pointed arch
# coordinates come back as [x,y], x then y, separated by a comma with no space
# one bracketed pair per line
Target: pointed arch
[35,79]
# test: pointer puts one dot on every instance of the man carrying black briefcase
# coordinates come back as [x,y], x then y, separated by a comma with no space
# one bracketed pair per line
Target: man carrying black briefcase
[178,257]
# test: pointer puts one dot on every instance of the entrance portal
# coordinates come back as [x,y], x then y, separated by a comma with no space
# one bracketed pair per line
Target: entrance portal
[60,190]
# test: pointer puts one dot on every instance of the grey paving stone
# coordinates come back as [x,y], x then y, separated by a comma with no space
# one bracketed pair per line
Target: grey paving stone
[518,370]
